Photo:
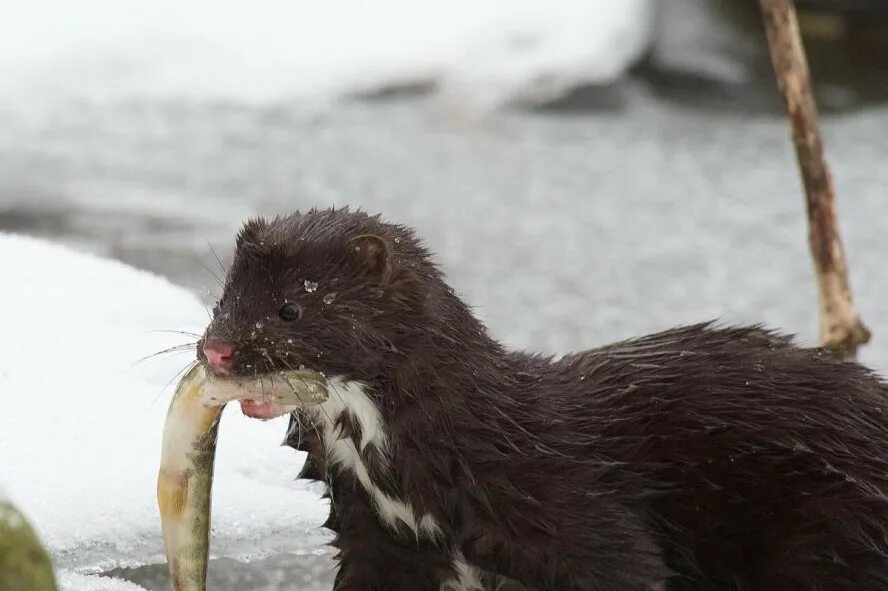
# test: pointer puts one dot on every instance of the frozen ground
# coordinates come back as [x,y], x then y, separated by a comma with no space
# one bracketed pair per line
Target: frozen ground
[69,581]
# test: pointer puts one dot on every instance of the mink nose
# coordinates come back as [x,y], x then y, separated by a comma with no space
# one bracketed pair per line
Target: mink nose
[220,354]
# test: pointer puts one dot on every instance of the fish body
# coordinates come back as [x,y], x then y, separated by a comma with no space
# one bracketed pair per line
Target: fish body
[185,480]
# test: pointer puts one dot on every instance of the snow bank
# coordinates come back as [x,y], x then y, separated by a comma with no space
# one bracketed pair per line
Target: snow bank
[81,422]
[267,50]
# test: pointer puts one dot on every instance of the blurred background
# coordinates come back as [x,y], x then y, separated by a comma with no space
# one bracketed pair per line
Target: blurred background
[585,170]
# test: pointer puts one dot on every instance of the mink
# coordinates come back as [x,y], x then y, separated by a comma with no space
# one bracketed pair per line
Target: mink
[705,457]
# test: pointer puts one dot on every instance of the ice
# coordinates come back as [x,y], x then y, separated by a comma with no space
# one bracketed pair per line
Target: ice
[269,50]
[82,418]
[69,581]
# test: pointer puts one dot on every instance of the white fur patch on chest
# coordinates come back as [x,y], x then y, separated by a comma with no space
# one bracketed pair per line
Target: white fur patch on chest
[351,397]
[466,577]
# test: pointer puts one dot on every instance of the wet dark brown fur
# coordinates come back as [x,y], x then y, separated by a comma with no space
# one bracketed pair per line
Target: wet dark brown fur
[700,458]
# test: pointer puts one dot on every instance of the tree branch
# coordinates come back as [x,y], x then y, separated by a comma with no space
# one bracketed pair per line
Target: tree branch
[840,326]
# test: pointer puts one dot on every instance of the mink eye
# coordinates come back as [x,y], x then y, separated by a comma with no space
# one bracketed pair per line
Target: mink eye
[290,312]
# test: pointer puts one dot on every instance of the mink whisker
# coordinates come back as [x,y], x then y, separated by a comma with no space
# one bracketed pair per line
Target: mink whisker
[213,274]
[313,424]
[175,349]
[172,331]
[218,260]
[178,375]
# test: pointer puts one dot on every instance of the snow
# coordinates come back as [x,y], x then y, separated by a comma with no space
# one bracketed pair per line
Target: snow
[69,581]
[82,418]
[490,50]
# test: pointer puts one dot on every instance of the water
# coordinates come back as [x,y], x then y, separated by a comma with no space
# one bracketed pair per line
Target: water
[287,572]
[563,231]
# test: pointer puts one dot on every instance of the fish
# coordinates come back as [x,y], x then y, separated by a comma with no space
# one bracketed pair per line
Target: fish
[185,478]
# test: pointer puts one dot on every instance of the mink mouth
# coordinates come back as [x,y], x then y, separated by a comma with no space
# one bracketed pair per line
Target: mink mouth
[259,408]
[258,392]
[262,410]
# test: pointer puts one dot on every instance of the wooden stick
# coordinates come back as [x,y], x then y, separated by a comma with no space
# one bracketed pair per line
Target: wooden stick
[841,329]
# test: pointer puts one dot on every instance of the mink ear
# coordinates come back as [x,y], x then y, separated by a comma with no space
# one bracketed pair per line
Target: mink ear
[374,253]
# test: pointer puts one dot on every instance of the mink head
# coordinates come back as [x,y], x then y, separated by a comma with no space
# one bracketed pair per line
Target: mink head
[334,291]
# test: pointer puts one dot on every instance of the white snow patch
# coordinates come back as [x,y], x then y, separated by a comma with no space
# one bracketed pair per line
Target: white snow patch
[269,50]
[81,420]
[69,581]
